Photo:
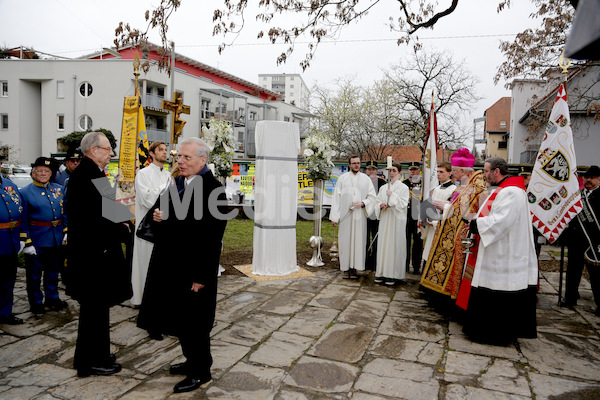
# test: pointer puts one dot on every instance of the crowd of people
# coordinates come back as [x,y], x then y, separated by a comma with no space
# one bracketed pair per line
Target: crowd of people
[65,214]
[472,243]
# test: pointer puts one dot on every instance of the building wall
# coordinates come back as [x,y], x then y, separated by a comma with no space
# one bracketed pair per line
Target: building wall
[493,149]
[33,106]
[291,86]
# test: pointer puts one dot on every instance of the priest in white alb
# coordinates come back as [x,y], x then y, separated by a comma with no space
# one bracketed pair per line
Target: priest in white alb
[149,182]
[501,305]
[391,211]
[354,198]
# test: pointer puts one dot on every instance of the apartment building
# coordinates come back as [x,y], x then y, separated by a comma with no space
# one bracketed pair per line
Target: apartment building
[290,86]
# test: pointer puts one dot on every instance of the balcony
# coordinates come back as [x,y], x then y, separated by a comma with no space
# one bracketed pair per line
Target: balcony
[158,134]
[152,101]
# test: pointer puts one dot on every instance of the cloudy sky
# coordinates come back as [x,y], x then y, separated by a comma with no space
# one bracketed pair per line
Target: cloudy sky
[71,28]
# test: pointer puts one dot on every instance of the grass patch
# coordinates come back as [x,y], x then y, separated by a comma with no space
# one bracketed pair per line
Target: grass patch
[239,234]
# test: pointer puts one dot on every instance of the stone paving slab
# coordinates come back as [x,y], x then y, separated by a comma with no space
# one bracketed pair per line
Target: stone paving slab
[311,321]
[322,375]
[238,305]
[24,351]
[334,296]
[281,349]
[362,312]
[246,381]
[458,392]
[407,349]
[413,329]
[94,388]
[343,342]
[252,329]
[286,302]
[547,387]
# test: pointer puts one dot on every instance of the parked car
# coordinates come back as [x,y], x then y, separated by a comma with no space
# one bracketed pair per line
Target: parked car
[21,180]
[12,169]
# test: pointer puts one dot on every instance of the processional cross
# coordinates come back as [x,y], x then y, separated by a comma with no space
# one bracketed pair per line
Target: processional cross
[177,108]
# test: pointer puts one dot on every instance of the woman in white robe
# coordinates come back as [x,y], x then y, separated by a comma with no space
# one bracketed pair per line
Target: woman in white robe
[391,242]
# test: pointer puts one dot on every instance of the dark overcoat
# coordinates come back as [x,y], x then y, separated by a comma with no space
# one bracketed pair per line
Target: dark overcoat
[187,250]
[96,265]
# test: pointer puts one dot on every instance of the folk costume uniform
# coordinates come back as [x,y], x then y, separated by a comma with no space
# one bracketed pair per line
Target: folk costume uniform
[186,251]
[372,229]
[99,275]
[149,182]
[352,233]
[11,235]
[501,306]
[442,192]
[414,243]
[391,257]
[578,243]
[44,222]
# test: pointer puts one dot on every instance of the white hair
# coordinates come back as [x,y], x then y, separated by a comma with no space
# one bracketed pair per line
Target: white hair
[202,149]
[89,140]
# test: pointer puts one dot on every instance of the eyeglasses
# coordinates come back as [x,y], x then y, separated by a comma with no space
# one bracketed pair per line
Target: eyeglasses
[105,148]
[42,171]
[186,158]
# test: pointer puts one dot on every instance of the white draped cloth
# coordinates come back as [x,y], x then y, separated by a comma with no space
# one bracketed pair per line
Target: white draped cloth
[506,257]
[149,182]
[391,240]
[275,198]
[439,193]
[352,232]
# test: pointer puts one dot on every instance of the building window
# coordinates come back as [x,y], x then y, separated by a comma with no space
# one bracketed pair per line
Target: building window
[502,124]
[286,119]
[60,89]
[85,122]
[149,90]
[4,89]
[503,145]
[4,121]
[264,78]
[291,78]
[252,115]
[291,86]
[160,91]
[85,89]
[205,108]
[60,122]
[291,94]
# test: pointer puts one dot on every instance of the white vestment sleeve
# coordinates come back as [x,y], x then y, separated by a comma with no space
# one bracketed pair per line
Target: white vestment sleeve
[146,191]
[495,226]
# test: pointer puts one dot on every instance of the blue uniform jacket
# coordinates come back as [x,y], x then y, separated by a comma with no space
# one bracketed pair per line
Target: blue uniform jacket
[61,177]
[11,212]
[44,204]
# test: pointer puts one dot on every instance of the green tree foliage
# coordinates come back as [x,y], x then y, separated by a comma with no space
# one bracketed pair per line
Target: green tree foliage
[73,139]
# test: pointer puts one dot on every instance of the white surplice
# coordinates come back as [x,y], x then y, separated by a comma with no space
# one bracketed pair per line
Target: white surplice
[506,257]
[149,182]
[391,240]
[352,232]
[439,193]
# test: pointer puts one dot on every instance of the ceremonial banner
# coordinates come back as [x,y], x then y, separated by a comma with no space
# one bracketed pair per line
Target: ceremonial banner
[430,158]
[128,151]
[553,191]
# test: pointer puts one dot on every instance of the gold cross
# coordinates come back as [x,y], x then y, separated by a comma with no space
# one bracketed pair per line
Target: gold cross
[177,108]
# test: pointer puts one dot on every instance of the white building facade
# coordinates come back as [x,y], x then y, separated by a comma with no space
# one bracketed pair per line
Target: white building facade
[290,86]
[43,100]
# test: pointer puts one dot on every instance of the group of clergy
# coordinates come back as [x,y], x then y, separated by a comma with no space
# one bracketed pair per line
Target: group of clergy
[478,247]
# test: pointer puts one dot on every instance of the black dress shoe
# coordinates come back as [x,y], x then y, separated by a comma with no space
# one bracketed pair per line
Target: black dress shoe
[112,358]
[155,335]
[178,369]
[38,309]
[10,320]
[56,304]
[568,304]
[109,370]
[189,384]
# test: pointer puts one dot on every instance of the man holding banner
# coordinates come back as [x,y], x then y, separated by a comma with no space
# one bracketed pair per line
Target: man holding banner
[501,305]
[583,239]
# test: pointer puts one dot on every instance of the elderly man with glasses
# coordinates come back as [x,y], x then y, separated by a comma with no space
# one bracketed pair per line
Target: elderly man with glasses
[98,274]
[44,216]
[180,296]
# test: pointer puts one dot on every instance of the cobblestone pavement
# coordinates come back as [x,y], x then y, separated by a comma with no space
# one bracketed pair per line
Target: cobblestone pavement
[316,338]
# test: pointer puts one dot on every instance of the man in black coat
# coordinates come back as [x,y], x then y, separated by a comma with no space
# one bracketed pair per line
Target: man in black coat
[98,274]
[578,243]
[372,222]
[180,296]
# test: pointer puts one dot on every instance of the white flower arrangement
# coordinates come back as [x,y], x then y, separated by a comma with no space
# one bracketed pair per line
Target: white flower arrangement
[319,153]
[219,137]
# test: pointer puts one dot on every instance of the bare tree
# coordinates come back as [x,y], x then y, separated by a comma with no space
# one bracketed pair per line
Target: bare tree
[454,90]
[315,19]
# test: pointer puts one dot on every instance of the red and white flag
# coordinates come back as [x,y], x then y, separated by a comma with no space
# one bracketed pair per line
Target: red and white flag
[553,191]
[430,180]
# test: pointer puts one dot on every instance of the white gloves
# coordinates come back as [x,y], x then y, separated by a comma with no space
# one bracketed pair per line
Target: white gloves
[22,246]
[30,251]
[64,241]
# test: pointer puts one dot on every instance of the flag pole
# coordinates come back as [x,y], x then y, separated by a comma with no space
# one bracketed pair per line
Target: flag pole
[564,63]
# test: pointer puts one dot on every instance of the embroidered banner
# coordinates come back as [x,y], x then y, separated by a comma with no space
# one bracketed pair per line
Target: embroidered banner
[553,191]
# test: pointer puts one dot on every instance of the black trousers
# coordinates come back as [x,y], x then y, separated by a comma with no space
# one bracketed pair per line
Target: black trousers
[195,345]
[8,276]
[93,336]
[575,270]
[414,245]
[371,258]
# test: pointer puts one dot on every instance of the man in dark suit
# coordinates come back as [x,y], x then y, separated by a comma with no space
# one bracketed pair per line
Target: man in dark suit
[180,296]
[372,222]
[578,243]
[414,243]
[99,277]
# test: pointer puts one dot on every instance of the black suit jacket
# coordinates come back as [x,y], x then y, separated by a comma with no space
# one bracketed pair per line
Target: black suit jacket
[187,251]
[97,269]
